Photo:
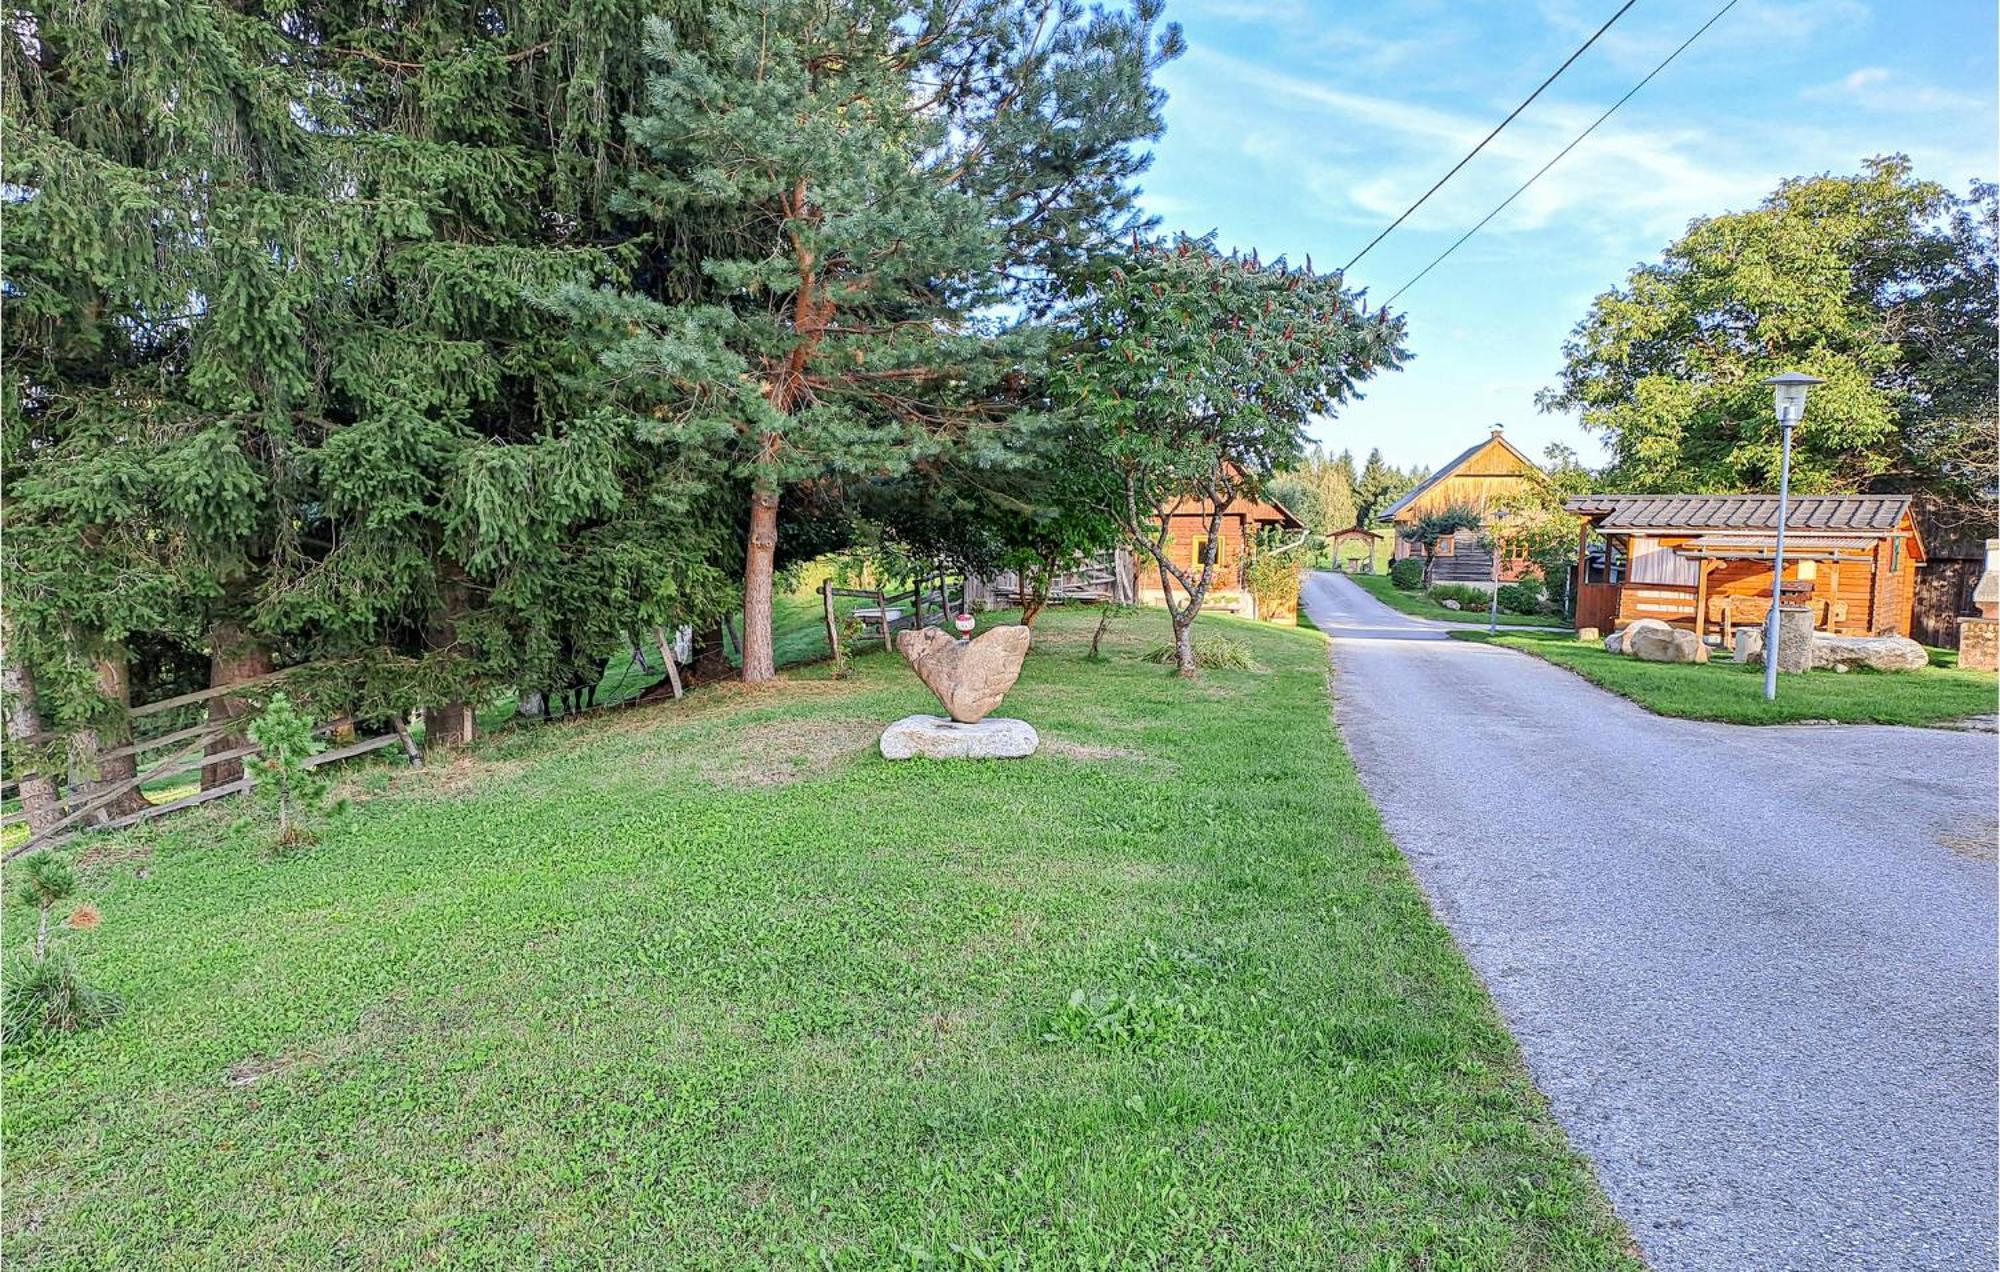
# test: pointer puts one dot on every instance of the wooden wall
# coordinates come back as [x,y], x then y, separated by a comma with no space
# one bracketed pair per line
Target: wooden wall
[1862,598]
[1943,593]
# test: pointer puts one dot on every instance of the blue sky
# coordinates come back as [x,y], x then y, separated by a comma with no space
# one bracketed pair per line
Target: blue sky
[1304,126]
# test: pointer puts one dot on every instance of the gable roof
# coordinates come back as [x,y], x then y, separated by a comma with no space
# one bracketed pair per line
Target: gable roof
[1464,457]
[1265,511]
[1838,514]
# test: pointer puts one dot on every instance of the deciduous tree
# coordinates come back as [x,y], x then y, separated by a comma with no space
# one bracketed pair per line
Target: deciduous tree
[1198,372]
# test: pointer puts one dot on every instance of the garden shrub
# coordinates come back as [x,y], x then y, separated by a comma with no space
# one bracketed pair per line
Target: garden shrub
[1407,574]
[1523,596]
[1273,581]
[1464,593]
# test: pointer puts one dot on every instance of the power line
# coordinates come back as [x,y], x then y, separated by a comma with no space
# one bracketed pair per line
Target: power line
[1574,142]
[1525,102]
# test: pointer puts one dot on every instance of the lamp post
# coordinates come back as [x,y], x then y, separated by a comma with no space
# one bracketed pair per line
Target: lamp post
[1789,390]
[1493,607]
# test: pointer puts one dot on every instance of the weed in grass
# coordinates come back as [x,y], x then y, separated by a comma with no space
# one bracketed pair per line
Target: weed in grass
[1115,1019]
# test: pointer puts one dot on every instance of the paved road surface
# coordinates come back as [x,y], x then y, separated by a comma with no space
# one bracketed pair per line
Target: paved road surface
[1753,968]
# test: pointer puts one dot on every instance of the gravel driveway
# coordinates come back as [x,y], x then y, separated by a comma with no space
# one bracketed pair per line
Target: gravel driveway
[1753,968]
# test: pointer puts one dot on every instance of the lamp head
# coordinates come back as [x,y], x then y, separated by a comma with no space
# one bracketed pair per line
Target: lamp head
[1790,391]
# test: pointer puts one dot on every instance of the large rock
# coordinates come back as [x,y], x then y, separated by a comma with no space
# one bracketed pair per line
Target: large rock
[970,677]
[1795,638]
[1663,644]
[1620,642]
[937,738]
[1878,653]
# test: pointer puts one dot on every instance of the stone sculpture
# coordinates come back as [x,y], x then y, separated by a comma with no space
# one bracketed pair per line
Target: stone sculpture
[969,677]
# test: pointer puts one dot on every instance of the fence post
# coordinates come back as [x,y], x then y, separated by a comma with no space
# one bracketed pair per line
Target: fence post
[882,617]
[832,626]
[667,656]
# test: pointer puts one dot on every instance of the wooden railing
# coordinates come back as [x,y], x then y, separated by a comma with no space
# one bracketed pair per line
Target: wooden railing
[928,603]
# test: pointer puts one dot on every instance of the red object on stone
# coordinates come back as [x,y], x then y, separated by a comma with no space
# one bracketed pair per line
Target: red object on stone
[963,623]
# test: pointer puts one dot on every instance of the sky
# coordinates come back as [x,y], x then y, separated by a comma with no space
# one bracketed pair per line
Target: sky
[1303,127]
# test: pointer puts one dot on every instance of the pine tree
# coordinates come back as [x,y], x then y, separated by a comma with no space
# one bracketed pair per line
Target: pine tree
[868,180]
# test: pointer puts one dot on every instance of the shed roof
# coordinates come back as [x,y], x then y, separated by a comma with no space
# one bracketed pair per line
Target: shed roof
[1872,515]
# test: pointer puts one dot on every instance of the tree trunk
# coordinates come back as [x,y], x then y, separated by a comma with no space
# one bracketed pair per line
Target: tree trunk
[114,681]
[234,656]
[1035,596]
[453,724]
[448,724]
[759,659]
[1184,663]
[24,721]
[711,660]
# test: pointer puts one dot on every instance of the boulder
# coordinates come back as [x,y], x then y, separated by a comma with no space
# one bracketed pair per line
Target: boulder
[1749,645]
[1620,642]
[1877,653]
[1451,604]
[970,677]
[937,738]
[1657,642]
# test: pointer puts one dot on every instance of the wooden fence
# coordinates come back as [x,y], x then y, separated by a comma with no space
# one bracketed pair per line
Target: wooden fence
[927,603]
[186,750]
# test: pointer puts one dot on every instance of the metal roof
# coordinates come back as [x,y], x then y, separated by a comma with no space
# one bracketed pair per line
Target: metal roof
[1838,514]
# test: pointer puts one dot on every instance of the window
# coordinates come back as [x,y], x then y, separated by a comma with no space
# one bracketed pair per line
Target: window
[1448,546]
[1895,554]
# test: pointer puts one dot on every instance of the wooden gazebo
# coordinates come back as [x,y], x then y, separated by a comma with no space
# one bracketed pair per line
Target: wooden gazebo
[1354,534]
[1704,561]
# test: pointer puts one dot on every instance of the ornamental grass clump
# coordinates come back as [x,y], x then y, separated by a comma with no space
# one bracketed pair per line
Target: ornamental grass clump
[1210,653]
[49,998]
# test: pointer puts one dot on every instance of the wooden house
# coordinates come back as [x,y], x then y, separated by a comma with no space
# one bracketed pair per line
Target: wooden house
[1486,474]
[1187,535]
[1704,561]
[1954,560]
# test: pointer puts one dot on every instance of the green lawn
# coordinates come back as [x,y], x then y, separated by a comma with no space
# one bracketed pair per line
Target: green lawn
[711,984]
[1421,606]
[1732,692]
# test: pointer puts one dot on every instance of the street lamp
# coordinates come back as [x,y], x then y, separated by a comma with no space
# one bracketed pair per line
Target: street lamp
[1493,609]
[1790,391]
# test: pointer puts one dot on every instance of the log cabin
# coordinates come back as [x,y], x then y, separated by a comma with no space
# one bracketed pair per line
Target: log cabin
[1488,473]
[1703,562]
[1187,534]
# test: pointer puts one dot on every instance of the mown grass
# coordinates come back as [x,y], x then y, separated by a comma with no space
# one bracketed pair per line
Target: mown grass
[1421,606]
[1734,693]
[710,984]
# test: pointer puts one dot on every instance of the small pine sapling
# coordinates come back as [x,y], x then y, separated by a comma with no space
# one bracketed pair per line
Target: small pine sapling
[283,778]
[49,996]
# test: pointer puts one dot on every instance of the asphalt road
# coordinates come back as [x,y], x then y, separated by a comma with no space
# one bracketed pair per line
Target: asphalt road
[1753,968]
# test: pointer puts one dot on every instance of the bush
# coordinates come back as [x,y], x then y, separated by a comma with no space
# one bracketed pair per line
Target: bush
[1273,580]
[1524,596]
[1209,651]
[47,998]
[1464,593]
[1407,574]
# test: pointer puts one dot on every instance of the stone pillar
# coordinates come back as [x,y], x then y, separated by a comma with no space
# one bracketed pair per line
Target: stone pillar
[1979,638]
[1795,637]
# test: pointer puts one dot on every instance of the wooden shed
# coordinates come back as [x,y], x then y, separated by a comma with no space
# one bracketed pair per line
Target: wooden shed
[1485,474]
[1704,561]
[1954,560]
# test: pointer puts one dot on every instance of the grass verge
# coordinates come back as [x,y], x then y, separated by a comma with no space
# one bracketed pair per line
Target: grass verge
[1418,605]
[710,984]
[1734,693]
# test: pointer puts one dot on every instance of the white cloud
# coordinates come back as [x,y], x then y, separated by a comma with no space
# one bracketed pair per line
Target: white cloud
[1877,88]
